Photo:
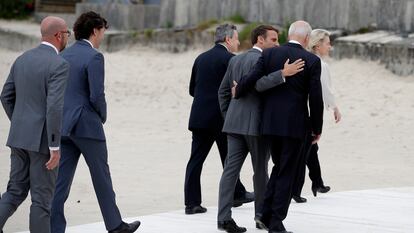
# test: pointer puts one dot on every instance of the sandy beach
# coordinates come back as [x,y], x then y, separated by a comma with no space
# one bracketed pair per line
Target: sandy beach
[149,144]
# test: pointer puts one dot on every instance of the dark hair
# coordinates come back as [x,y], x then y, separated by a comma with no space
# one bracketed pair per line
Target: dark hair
[85,24]
[261,30]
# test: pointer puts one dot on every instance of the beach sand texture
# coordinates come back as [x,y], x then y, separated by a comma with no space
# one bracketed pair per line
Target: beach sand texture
[149,144]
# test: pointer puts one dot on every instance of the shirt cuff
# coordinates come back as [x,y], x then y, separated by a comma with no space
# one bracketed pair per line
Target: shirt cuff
[283,77]
[54,148]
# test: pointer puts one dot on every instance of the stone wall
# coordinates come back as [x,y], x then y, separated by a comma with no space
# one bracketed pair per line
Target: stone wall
[124,16]
[396,15]
[390,49]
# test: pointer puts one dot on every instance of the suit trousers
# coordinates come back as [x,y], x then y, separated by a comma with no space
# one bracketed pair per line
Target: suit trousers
[29,173]
[286,153]
[201,145]
[238,148]
[96,157]
[311,160]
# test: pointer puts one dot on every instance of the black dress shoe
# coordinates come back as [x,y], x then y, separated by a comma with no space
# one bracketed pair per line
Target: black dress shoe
[260,227]
[230,227]
[126,228]
[260,223]
[299,199]
[195,209]
[246,198]
[320,189]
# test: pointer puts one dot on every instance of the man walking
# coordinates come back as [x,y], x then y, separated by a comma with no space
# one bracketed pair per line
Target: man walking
[33,100]
[242,124]
[206,121]
[84,113]
[286,117]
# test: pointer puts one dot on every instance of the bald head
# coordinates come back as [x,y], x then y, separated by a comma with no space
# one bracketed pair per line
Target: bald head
[55,31]
[300,31]
[52,25]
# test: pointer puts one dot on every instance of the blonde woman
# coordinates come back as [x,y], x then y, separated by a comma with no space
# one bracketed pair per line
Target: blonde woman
[320,45]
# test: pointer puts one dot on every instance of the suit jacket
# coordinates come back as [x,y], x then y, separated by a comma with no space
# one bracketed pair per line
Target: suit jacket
[207,73]
[84,111]
[243,116]
[33,99]
[286,110]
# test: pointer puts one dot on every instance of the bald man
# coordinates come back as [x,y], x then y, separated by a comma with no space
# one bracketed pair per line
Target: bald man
[32,98]
[287,119]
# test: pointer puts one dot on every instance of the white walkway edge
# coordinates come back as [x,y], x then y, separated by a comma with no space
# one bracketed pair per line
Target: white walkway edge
[368,211]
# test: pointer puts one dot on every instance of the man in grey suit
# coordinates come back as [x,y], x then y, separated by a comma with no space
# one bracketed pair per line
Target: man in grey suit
[242,124]
[33,100]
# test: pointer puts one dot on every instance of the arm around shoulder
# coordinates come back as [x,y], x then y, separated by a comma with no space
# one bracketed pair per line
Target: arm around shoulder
[269,81]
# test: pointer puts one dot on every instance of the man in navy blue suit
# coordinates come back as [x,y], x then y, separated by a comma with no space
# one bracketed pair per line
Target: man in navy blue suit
[286,118]
[206,121]
[84,113]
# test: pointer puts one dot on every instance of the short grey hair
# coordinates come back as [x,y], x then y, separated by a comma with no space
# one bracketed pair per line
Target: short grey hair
[223,31]
[300,28]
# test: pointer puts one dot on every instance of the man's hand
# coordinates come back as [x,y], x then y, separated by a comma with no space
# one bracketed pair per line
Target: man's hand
[54,159]
[233,89]
[292,69]
[315,138]
[337,115]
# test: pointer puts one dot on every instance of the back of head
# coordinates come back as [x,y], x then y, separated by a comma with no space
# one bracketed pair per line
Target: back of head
[261,30]
[86,23]
[316,37]
[223,31]
[50,26]
[300,30]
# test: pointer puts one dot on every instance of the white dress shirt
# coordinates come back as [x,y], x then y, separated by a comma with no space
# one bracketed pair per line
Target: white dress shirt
[224,46]
[50,45]
[88,42]
[294,42]
[255,47]
[327,88]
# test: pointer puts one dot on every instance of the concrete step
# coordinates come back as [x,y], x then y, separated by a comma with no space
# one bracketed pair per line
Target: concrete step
[369,211]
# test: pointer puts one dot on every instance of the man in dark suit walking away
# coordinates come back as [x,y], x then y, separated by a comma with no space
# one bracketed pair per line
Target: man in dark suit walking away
[242,124]
[84,114]
[206,121]
[33,100]
[286,118]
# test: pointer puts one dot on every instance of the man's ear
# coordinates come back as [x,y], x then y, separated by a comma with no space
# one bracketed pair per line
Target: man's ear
[260,39]
[227,40]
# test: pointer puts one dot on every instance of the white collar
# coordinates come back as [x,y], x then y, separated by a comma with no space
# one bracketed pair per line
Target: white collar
[50,45]
[224,46]
[88,42]
[256,47]
[294,42]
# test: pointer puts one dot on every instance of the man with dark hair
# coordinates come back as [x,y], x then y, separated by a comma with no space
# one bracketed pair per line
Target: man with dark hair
[84,114]
[206,121]
[242,119]
[32,98]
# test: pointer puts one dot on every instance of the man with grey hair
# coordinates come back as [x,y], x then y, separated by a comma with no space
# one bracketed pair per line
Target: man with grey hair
[32,98]
[206,121]
[287,119]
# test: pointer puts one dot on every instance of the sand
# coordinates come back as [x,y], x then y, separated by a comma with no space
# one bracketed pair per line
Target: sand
[149,144]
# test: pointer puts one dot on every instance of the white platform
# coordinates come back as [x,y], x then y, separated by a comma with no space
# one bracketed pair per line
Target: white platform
[369,211]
